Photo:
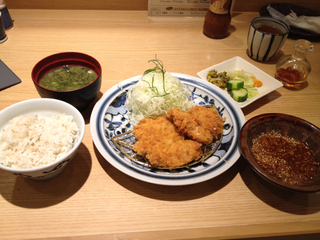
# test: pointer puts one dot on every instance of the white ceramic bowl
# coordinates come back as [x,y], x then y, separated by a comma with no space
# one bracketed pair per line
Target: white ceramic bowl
[46,107]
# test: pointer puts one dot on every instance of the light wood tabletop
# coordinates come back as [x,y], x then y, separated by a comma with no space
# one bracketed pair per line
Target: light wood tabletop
[91,199]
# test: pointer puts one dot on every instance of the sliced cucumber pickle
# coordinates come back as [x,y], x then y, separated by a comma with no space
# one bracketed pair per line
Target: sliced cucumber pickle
[240,95]
[235,84]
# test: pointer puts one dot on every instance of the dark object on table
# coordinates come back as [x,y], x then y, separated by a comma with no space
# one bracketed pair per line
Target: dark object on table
[217,19]
[293,130]
[81,97]
[7,77]
[285,8]
[7,21]
[3,35]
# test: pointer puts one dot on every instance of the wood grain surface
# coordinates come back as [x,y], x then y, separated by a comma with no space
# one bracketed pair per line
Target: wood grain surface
[91,199]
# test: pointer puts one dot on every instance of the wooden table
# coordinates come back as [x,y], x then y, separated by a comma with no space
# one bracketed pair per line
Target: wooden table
[93,200]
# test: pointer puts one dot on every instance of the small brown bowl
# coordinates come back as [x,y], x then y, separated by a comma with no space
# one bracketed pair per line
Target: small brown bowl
[289,126]
[79,98]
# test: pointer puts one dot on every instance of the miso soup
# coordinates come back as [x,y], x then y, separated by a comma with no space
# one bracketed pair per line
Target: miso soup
[68,77]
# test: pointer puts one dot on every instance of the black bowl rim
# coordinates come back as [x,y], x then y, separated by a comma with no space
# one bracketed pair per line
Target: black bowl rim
[258,169]
[65,53]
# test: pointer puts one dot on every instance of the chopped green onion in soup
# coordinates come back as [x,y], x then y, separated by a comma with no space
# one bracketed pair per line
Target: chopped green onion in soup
[68,77]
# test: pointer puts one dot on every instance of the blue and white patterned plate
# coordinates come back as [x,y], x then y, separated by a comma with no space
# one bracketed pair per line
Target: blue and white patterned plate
[109,118]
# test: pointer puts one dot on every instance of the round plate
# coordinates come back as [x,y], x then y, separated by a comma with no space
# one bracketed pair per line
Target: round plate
[109,118]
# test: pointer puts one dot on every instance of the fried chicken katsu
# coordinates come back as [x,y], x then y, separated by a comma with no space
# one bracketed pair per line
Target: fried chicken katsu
[163,144]
[199,123]
[162,140]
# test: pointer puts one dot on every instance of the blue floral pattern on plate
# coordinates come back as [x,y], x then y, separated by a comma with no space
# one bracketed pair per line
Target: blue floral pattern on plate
[109,118]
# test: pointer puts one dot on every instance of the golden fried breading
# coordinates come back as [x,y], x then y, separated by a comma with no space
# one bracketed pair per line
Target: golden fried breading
[163,145]
[199,123]
[189,125]
[210,119]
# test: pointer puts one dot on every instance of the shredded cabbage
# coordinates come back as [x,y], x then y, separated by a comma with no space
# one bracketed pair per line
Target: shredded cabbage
[252,92]
[169,93]
[240,74]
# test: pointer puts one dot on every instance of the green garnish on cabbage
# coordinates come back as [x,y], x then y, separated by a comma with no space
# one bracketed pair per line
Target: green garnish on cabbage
[155,93]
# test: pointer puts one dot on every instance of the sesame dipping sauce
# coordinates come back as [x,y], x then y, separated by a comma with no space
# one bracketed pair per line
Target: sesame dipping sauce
[285,158]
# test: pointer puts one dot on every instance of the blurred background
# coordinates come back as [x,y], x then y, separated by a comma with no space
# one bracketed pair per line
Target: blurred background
[239,5]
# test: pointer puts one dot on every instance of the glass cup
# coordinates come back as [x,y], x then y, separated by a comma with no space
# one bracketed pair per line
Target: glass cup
[266,37]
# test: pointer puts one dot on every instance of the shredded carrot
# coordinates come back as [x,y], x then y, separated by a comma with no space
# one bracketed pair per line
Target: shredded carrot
[257,82]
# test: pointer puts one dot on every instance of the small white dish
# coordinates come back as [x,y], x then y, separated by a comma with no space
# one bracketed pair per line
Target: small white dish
[237,63]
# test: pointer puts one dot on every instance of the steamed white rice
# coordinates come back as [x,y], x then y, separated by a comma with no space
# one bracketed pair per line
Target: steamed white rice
[35,140]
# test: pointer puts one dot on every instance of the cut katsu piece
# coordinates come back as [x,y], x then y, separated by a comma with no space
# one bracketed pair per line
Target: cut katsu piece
[200,123]
[163,145]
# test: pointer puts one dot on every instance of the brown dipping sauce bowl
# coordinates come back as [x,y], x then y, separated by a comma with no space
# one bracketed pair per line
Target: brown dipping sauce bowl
[288,126]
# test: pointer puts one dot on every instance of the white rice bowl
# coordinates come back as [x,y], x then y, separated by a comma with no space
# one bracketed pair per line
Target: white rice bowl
[46,108]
